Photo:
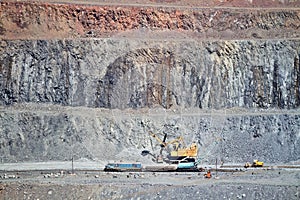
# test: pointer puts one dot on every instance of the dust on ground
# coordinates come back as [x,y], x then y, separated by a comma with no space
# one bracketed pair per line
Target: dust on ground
[96,184]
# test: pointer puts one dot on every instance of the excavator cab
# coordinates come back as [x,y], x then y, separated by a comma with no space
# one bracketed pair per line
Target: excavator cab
[257,163]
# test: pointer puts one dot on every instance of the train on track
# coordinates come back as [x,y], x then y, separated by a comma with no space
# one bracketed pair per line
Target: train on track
[137,167]
[122,167]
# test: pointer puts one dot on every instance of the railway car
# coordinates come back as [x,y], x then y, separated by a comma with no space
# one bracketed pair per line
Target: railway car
[188,166]
[121,167]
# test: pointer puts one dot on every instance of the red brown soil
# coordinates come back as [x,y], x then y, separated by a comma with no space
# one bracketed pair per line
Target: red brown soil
[198,3]
[187,19]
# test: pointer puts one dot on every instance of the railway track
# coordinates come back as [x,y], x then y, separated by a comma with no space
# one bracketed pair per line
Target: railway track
[264,167]
[224,168]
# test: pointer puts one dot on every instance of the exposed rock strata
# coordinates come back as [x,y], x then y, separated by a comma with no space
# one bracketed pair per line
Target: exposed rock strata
[42,133]
[128,69]
[34,20]
[113,73]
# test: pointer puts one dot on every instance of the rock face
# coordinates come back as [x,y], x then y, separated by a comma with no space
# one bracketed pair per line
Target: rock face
[153,68]
[41,133]
[31,20]
[118,74]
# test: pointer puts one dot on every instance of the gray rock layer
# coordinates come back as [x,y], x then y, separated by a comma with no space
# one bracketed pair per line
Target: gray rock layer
[60,134]
[95,84]
[114,73]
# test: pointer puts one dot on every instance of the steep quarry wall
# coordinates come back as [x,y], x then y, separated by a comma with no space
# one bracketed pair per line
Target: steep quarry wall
[121,73]
[91,81]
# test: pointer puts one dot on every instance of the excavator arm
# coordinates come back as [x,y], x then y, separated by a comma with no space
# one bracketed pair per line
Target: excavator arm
[162,143]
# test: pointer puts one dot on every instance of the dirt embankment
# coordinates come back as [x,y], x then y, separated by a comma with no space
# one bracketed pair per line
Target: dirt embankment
[28,20]
[191,3]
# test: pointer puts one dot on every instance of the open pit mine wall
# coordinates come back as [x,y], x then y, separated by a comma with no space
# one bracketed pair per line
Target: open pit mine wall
[26,20]
[121,73]
[61,133]
[77,96]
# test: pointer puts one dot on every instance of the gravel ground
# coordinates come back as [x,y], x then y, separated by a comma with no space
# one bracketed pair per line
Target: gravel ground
[55,184]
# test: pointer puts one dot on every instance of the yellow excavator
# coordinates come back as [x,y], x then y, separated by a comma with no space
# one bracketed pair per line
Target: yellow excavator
[188,154]
[180,152]
[255,163]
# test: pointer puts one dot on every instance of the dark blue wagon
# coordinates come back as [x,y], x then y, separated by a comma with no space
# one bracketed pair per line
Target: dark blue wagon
[120,167]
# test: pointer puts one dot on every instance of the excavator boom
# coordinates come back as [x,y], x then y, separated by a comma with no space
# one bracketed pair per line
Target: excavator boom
[161,142]
[181,152]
